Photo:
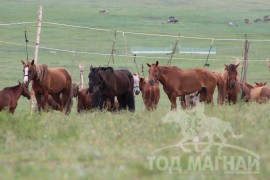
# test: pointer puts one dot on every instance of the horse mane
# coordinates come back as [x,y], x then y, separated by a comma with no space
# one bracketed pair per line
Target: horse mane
[41,70]
[12,87]
[106,68]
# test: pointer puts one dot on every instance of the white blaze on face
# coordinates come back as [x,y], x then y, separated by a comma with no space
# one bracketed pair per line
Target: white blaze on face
[25,79]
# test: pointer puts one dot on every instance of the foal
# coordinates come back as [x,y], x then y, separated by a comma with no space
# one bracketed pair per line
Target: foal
[9,96]
[150,93]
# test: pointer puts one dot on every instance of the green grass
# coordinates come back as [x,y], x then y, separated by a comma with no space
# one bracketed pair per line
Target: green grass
[115,146]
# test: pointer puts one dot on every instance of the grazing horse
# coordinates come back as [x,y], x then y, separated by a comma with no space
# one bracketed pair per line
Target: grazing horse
[232,82]
[53,81]
[150,93]
[88,101]
[177,82]
[9,96]
[53,103]
[256,93]
[111,83]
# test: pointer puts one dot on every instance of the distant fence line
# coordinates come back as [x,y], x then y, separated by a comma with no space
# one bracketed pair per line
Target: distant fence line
[54,50]
[135,33]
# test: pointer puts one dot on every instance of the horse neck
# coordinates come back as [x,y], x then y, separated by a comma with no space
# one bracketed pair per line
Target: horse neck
[164,71]
[16,91]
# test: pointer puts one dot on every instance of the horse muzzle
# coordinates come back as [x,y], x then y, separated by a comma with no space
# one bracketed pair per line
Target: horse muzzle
[137,92]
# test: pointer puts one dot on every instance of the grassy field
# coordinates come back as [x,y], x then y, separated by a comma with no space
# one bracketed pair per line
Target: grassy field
[116,145]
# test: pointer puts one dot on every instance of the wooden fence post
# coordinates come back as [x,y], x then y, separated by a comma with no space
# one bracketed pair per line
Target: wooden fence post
[81,67]
[36,52]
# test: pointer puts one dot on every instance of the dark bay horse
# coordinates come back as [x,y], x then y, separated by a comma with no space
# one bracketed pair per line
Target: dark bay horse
[9,96]
[177,82]
[111,83]
[53,81]
[232,82]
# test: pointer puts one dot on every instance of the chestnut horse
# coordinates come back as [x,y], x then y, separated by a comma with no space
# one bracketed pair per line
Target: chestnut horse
[9,96]
[232,82]
[256,93]
[150,93]
[53,81]
[56,106]
[177,82]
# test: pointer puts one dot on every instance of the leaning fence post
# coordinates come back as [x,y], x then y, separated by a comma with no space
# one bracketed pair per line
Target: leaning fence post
[36,53]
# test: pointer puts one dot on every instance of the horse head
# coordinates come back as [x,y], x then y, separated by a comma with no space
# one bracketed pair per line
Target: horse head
[232,74]
[136,88]
[29,71]
[94,78]
[153,71]
[25,91]
[75,89]
[260,84]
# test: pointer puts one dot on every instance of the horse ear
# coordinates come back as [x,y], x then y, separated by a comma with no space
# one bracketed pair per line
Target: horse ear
[91,67]
[33,62]
[264,83]
[257,83]
[23,62]
[19,82]
[157,63]
[148,65]
[237,65]
[226,66]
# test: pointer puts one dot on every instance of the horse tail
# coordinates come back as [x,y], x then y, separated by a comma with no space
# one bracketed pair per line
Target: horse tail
[221,89]
[69,93]
[130,95]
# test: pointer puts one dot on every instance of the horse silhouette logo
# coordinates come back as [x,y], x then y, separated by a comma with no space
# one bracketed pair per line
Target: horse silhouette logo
[196,126]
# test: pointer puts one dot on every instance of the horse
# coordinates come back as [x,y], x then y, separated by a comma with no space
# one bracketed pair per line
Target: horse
[111,83]
[190,101]
[53,81]
[89,101]
[136,87]
[150,93]
[178,82]
[9,96]
[256,93]
[53,104]
[232,82]
[259,84]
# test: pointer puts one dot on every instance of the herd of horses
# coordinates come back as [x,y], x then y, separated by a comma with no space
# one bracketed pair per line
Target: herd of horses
[115,90]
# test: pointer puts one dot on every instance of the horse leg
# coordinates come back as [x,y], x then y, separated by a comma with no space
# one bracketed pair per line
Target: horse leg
[131,101]
[183,102]
[121,100]
[173,102]
[57,99]
[66,101]
[112,103]
[38,98]
[46,101]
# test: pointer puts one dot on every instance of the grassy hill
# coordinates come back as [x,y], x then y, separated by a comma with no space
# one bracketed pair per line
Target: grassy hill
[104,145]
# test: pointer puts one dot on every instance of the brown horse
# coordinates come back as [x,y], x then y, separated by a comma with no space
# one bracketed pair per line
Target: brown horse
[53,104]
[150,93]
[9,96]
[256,93]
[53,81]
[177,82]
[232,82]
[88,101]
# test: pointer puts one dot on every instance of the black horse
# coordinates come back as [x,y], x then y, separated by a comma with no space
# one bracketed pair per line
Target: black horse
[111,83]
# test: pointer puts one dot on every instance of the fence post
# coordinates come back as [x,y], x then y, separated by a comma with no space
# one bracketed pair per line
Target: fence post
[81,67]
[36,52]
